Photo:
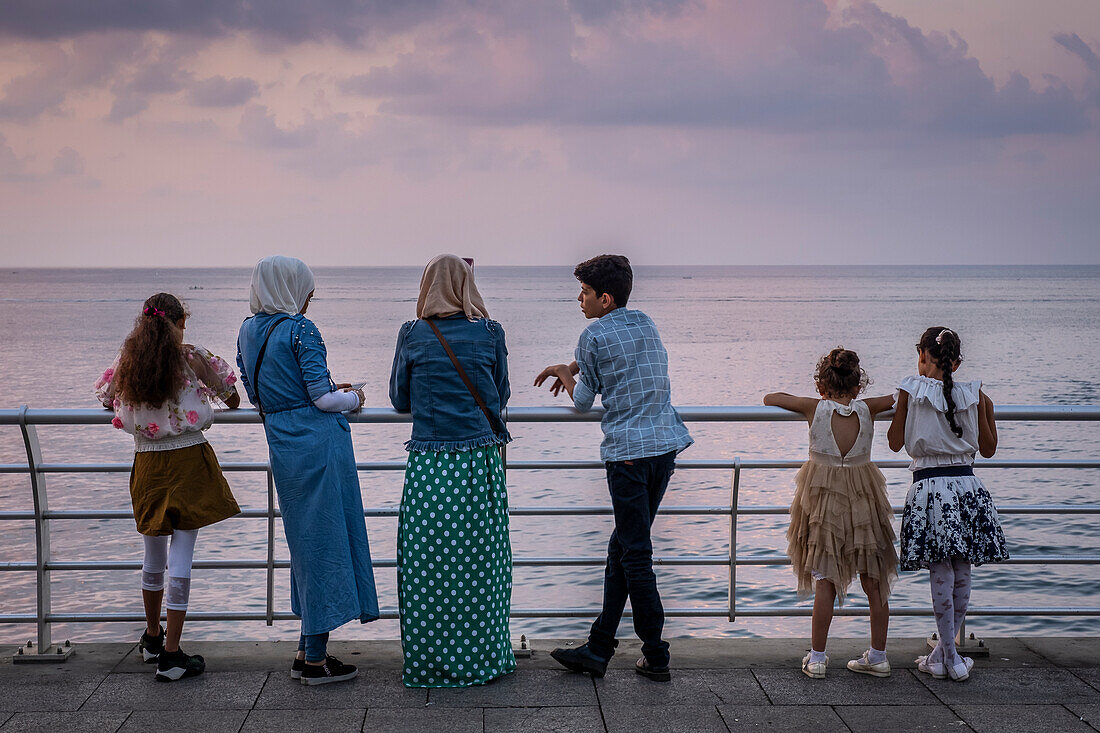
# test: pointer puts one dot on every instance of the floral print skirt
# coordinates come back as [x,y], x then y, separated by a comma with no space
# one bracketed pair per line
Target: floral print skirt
[454,569]
[947,517]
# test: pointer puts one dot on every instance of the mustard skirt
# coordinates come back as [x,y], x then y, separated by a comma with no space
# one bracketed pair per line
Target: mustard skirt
[179,489]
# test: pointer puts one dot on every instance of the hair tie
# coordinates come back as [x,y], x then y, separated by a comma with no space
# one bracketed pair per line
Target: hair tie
[151,311]
[944,332]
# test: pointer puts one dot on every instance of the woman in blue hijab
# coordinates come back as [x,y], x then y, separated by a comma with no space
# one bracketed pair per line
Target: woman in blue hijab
[284,369]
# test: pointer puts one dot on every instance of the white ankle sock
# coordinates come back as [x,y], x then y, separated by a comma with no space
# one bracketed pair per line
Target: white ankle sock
[817,657]
[874,656]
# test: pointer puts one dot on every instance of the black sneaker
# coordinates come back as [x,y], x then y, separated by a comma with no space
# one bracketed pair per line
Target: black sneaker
[644,668]
[581,659]
[296,668]
[333,670]
[178,664]
[151,646]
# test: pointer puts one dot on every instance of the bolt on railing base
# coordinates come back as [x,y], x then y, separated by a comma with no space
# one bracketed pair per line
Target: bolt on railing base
[29,653]
[967,647]
[522,648]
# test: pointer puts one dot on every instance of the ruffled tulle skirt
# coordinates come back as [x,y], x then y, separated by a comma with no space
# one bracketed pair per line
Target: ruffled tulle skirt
[840,526]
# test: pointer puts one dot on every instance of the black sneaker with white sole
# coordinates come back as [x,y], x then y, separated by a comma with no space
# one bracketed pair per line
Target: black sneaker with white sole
[296,668]
[151,646]
[333,670]
[176,665]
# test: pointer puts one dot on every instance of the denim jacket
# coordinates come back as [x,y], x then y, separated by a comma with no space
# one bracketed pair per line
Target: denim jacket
[425,382]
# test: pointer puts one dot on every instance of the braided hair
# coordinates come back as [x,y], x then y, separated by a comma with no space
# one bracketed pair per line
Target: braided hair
[839,374]
[150,369]
[943,345]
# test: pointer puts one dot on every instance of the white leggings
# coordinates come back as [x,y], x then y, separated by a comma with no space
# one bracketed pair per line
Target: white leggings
[177,558]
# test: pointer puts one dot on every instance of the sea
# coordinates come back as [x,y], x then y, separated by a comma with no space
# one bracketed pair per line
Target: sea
[1031,334]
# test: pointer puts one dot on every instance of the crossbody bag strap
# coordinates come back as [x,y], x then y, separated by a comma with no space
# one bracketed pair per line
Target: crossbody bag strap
[466,380]
[259,360]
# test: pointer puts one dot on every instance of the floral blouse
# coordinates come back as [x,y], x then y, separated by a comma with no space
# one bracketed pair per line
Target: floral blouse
[206,376]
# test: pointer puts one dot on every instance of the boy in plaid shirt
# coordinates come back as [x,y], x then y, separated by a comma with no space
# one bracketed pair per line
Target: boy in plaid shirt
[620,357]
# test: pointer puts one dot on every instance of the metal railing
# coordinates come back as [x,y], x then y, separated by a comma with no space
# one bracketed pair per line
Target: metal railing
[37,469]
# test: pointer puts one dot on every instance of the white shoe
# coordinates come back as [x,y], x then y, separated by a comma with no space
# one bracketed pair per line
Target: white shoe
[816,670]
[961,672]
[933,668]
[864,666]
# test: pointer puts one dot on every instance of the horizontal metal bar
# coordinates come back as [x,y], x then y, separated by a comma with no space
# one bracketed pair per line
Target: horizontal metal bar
[689,612]
[559,511]
[690,413]
[575,561]
[723,465]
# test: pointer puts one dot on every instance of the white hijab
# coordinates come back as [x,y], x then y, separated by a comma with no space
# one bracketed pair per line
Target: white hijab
[280,285]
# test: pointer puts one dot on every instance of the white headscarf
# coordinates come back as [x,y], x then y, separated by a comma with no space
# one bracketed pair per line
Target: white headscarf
[447,286]
[280,285]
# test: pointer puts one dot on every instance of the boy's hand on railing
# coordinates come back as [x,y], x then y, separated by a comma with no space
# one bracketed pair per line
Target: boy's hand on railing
[563,378]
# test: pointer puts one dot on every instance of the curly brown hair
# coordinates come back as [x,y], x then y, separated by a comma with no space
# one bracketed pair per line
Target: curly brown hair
[150,369]
[945,348]
[840,375]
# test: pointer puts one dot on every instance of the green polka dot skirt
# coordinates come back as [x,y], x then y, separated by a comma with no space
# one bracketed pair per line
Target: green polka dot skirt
[454,569]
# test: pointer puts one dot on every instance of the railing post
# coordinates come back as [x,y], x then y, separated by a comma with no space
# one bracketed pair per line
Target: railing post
[270,547]
[735,486]
[43,652]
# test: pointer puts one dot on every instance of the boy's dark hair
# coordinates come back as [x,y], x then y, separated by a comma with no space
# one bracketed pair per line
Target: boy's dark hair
[840,375]
[609,274]
[151,368]
[945,347]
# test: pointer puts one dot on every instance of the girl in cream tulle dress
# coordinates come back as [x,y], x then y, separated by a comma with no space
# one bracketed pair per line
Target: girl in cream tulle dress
[840,515]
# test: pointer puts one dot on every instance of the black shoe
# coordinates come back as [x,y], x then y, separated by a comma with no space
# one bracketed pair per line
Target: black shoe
[333,670]
[178,664]
[151,646]
[581,659]
[644,668]
[296,668]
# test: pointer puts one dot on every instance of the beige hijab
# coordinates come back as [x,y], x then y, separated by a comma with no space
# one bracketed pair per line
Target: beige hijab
[447,287]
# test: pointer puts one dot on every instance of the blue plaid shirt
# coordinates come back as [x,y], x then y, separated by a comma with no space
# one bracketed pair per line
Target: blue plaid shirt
[621,358]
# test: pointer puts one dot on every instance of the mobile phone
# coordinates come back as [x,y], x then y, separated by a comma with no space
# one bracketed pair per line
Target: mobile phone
[469,261]
[359,385]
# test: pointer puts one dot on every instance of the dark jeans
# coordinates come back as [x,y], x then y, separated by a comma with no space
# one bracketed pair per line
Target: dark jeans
[637,488]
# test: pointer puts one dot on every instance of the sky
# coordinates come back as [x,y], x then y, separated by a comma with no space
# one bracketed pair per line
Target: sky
[138,133]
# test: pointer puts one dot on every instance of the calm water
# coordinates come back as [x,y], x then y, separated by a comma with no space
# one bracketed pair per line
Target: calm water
[732,335]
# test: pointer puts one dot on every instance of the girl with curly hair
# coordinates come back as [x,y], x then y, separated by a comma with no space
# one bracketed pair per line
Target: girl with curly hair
[840,515]
[162,392]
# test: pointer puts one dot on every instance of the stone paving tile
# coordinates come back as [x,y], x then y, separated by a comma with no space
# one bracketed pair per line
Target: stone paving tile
[666,718]
[370,689]
[209,691]
[58,695]
[544,720]
[816,718]
[207,721]
[791,687]
[1032,718]
[424,720]
[79,722]
[531,688]
[1091,675]
[4,717]
[1013,687]
[303,721]
[877,718]
[1066,651]
[693,687]
[1086,713]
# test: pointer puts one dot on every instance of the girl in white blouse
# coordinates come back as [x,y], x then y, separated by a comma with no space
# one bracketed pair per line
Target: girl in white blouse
[949,522]
[162,393]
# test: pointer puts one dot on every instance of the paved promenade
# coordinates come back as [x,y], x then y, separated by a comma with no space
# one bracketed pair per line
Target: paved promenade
[1040,684]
